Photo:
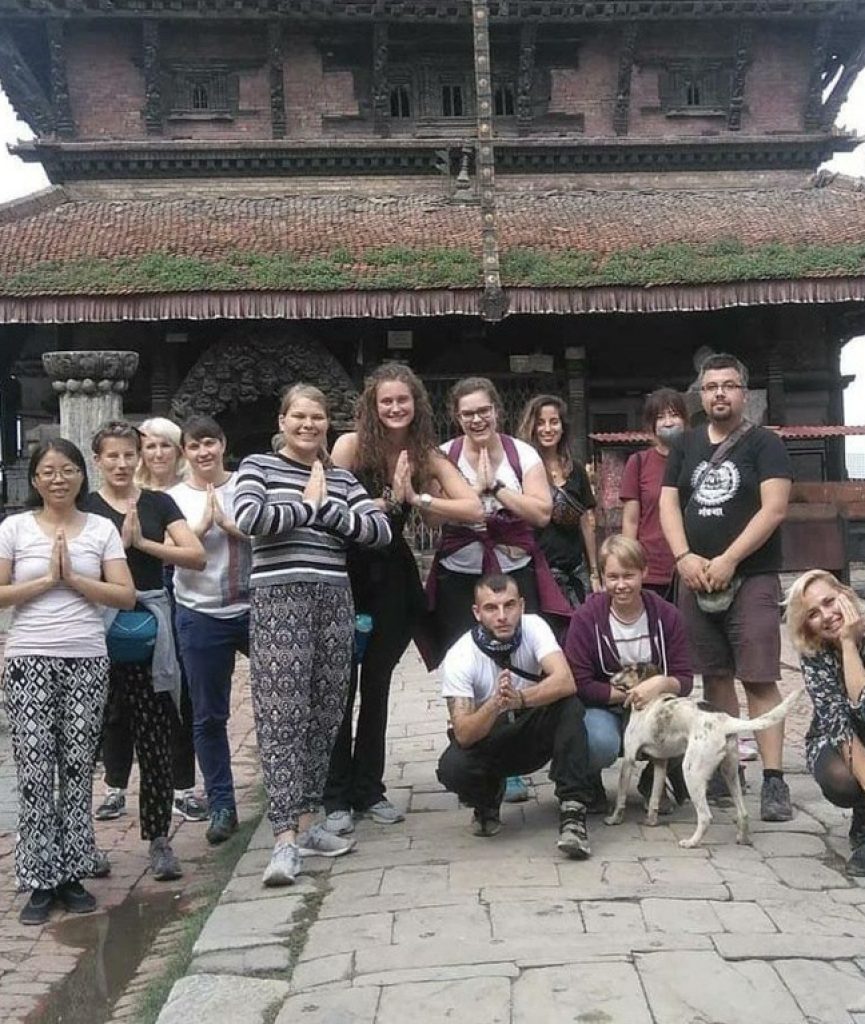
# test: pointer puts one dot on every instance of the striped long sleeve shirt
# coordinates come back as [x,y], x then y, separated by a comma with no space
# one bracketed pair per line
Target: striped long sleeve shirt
[294,541]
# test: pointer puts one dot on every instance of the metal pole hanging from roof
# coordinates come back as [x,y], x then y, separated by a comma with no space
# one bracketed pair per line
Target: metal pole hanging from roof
[494,305]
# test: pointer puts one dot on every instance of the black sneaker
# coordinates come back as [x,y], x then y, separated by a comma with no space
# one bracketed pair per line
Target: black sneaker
[112,806]
[223,824]
[775,800]
[38,908]
[75,899]
[486,821]
[857,827]
[856,863]
[598,802]
[573,836]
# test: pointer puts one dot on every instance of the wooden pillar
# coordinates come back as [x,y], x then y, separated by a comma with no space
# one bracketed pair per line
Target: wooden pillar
[775,395]
[152,73]
[276,71]
[526,76]
[575,362]
[64,124]
[380,83]
[627,52]
[813,117]
[740,70]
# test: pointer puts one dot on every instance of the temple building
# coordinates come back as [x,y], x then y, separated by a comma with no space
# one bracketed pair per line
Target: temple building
[565,196]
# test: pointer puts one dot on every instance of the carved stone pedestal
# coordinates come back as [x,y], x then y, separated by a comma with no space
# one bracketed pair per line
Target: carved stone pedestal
[90,386]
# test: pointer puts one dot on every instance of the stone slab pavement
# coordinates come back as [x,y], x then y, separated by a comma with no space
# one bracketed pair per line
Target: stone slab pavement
[426,922]
[36,962]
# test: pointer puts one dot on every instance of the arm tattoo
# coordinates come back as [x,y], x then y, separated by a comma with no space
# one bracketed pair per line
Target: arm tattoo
[459,706]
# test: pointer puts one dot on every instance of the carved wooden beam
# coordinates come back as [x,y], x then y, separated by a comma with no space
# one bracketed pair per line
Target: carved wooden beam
[63,122]
[852,66]
[276,70]
[814,96]
[380,87]
[23,88]
[494,304]
[152,77]
[627,52]
[526,76]
[744,41]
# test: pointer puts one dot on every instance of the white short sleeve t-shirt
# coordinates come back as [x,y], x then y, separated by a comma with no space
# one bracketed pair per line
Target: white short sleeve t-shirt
[470,558]
[222,589]
[60,623]
[632,640]
[468,672]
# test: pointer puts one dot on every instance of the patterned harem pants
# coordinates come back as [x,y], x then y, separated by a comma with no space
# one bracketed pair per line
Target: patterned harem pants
[301,641]
[148,717]
[55,710]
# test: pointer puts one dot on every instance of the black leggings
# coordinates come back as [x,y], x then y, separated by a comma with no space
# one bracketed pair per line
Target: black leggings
[837,782]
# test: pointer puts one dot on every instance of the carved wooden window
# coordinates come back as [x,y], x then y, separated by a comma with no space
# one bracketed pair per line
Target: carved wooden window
[401,101]
[504,99]
[204,92]
[453,100]
[695,87]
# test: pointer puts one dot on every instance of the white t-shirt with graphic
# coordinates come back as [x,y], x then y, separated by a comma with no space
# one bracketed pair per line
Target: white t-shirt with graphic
[468,672]
[470,558]
[221,589]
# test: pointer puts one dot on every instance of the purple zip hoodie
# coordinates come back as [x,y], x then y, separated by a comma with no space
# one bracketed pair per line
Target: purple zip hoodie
[594,660]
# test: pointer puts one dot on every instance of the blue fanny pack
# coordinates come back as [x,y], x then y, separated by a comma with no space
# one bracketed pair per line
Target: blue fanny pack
[131,637]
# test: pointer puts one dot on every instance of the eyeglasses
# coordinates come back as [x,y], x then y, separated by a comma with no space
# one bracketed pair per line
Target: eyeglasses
[485,412]
[66,473]
[724,385]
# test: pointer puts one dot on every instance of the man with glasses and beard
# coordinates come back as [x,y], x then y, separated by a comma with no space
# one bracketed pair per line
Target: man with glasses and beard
[724,498]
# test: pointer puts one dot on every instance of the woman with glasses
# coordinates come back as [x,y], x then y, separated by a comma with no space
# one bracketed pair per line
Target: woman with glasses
[58,567]
[620,626]
[568,540]
[393,454]
[666,416]
[154,533]
[509,478]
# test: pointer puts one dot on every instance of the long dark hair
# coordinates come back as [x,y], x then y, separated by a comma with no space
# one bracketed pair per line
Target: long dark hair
[371,434]
[529,424]
[71,452]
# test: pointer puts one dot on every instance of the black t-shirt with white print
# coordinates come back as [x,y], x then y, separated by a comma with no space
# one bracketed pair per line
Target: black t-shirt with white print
[729,495]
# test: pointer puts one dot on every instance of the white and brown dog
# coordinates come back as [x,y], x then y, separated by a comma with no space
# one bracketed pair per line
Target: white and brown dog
[674,726]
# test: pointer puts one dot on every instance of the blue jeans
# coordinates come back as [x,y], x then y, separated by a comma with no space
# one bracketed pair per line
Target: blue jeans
[604,731]
[208,647]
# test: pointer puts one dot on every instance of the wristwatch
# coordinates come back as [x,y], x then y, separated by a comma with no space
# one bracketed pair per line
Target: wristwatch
[425,500]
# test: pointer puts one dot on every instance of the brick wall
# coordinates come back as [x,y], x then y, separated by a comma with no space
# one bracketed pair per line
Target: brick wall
[107,87]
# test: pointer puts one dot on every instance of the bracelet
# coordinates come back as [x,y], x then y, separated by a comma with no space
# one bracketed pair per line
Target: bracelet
[684,554]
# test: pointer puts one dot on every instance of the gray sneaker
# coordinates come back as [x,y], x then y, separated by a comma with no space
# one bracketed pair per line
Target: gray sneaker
[319,842]
[341,823]
[163,863]
[284,866]
[775,800]
[384,813]
[573,838]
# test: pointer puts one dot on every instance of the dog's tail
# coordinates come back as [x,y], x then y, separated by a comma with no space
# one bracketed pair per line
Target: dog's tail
[777,714]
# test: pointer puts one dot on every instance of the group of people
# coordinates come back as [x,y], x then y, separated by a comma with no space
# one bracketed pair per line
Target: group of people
[299,559]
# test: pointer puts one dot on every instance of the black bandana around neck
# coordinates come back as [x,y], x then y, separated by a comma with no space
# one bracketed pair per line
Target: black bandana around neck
[499,650]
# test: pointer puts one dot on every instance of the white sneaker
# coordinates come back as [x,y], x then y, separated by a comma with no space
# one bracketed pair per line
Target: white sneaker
[284,865]
[341,823]
[319,842]
[384,813]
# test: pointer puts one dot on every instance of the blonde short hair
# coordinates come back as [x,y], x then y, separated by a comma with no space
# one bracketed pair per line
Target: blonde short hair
[796,614]
[165,430]
[628,551]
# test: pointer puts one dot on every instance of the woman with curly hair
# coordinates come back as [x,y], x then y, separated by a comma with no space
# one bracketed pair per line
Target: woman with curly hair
[568,540]
[827,628]
[394,455]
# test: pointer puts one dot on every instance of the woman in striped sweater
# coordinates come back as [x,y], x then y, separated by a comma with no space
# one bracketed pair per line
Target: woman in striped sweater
[301,517]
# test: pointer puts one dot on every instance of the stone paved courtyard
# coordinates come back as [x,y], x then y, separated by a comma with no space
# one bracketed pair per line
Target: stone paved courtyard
[425,922]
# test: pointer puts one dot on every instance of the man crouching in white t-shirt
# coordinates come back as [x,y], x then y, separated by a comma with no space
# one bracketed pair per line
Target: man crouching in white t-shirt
[513,707]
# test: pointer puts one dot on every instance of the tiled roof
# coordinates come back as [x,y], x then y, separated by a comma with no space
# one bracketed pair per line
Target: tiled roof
[795,433]
[548,239]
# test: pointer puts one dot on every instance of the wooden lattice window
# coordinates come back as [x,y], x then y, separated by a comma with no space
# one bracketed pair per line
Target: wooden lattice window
[453,100]
[695,87]
[504,99]
[202,92]
[401,101]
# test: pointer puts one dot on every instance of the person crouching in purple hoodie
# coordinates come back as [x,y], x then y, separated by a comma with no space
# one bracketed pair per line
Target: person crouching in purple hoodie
[620,626]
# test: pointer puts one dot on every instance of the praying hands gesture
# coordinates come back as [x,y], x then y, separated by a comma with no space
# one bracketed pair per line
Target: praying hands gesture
[130,532]
[55,566]
[507,696]
[316,487]
[485,475]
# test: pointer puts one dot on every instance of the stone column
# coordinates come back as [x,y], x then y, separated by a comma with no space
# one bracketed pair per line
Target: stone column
[90,385]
